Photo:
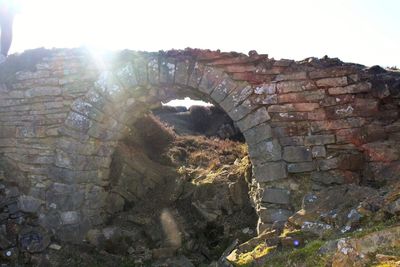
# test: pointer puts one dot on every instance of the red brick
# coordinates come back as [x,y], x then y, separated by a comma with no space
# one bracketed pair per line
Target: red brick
[351,89]
[292,76]
[332,82]
[240,68]
[308,96]
[332,72]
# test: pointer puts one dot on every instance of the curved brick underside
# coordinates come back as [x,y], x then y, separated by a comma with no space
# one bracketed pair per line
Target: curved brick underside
[308,124]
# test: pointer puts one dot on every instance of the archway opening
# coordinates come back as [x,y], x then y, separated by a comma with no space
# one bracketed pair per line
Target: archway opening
[179,186]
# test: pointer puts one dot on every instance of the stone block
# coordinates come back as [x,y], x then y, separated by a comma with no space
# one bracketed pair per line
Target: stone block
[317,115]
[126,76]
[72,146]
[197,70]
[284,129]
[28,75]
[295,86]
[269,99]
[318,152]
[276,196]
[292,76]
[258,133]
[67,176]
[211,77]
[259,116]
[223,89]
[289,116]
[332,82]
[362,87]
[301,167]
[7,131]
[317,140]
[69,217]
[283,63]
[8,142]
[356,136]
[295,107]
[265,151]
[31,131]
[301,97]
[182,72]
[336,71]
[297,154]
[74,233]
[87,109]
[29,204]
[237,97]
[329,164]
[241,93]
[266,88]
[102,132]
[43,91]
[65,197]
[153,71]
[337,100]
[227,104]
[292,141]
[317,126]
[95,197]
[270,171]
[107,83]
[78,122]
[241,111]
[270,215]
[364,107]
[140,66]
[167,71]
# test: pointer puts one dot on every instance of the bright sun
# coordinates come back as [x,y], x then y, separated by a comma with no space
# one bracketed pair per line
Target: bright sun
[364,31]
[68,23]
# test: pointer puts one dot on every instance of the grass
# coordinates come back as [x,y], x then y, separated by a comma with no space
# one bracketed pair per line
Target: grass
[370,227]
[306,256]
[392,251]
[204,160]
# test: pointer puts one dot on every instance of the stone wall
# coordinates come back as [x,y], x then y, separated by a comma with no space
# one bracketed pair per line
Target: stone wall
[308,124]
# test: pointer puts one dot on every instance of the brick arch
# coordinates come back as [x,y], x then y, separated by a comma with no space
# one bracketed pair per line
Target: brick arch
[122,93]
[308,124]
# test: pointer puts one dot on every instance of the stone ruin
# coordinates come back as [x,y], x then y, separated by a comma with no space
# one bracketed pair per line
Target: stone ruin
[308,125]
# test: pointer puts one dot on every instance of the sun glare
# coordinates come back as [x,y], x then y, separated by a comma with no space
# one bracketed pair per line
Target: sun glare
[187,102]
[353,33]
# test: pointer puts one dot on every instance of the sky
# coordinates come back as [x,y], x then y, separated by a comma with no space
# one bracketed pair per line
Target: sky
[360,31]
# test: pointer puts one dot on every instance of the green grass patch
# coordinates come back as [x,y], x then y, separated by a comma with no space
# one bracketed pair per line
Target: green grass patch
[306,256]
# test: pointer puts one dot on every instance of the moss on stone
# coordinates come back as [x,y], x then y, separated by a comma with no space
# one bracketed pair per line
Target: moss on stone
[248,259]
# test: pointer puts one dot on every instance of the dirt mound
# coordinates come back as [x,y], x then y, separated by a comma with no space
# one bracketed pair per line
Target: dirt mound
[176,197]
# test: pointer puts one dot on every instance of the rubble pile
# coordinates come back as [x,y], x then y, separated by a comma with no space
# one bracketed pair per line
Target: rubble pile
[20,232]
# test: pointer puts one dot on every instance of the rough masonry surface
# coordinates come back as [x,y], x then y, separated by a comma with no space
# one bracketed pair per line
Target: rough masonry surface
[308,124]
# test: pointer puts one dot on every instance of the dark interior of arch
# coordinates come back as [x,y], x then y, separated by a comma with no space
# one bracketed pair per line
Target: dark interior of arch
[179,185]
